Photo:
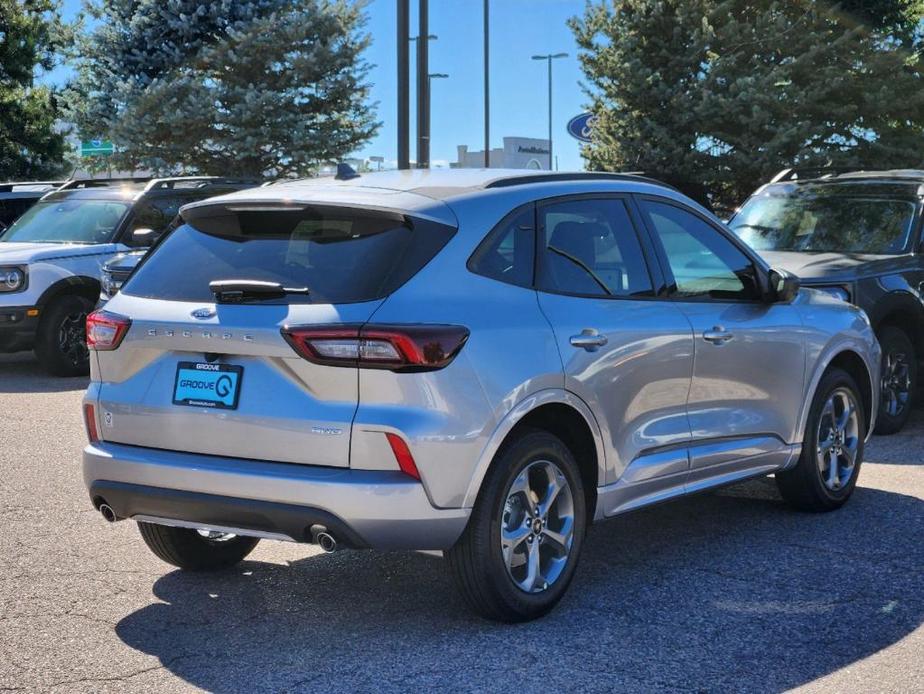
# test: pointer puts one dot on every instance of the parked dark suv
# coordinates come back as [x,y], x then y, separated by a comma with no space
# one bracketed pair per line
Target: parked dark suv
[857,236]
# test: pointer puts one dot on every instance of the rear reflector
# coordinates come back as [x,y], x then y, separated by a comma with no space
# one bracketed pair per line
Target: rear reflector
[403,456]
[395,347]
[105,331]
[89,420]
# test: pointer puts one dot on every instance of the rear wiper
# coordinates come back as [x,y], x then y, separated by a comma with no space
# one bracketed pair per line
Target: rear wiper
[237,291]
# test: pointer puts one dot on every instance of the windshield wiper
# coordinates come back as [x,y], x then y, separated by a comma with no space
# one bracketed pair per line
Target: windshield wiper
[238,291]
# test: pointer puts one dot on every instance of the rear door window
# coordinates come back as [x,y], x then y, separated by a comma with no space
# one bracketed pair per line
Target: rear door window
[157,213]
[340,255]
[590,247]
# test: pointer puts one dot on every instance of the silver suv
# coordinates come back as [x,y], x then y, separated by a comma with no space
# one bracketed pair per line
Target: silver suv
[477,362]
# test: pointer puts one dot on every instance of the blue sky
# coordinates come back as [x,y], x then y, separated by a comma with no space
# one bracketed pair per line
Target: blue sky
[519,29]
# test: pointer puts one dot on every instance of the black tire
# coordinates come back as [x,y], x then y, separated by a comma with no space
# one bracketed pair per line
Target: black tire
[189,550]
[61,341]
[803,486]
[897,349]
[476,561]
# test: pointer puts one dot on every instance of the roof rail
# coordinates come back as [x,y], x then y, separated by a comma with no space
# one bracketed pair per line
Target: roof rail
[892,174]
[77,183]
[9,186]
[801,173]
[170,183]
[517,180]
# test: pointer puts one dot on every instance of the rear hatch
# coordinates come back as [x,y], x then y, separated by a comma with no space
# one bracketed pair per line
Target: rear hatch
[204,367]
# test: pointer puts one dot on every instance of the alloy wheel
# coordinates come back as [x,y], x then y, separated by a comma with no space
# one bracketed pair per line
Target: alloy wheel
[838,439]
[72,337]
[896,383]
[537,526]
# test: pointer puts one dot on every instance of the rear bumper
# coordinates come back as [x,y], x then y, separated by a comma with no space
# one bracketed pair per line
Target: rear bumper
[376,509]
[17,328]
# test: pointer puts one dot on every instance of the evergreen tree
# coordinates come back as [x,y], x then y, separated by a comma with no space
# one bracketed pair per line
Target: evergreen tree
[30,35]
[725,93]
[246,87]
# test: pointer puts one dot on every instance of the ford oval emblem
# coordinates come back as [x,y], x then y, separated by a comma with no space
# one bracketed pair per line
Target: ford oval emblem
[203,313]
[580,126]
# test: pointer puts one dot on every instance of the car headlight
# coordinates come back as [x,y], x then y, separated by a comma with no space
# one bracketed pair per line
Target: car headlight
[111,285]
[837,292]
[12,279]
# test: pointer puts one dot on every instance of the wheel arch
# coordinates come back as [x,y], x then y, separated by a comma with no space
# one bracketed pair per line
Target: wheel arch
[903,311]
[561,413]
[851,360]
[79,285]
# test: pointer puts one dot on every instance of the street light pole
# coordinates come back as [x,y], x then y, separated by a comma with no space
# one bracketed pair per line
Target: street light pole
[430,77]
[487,88]
[404,87]
[423,95]
[423,98]
[549,58]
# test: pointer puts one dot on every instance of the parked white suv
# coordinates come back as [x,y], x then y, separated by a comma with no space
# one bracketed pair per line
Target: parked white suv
[51,257]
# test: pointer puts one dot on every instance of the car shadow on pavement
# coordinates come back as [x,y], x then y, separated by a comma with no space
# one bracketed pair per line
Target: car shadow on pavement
[903,448]
[727,591]
[21,373]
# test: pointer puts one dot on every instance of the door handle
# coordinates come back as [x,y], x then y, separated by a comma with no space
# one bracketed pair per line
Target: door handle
[718,335]
[589,339]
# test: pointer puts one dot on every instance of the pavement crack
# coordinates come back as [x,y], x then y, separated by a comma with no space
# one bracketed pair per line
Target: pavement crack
[122,678]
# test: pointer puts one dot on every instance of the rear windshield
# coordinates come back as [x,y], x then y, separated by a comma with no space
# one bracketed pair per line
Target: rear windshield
[816,224]
[341,256]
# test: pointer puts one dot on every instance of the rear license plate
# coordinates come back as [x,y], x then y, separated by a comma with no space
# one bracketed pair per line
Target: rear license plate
[207,385]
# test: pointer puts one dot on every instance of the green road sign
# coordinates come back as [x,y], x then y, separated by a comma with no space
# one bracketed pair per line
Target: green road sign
[96,148]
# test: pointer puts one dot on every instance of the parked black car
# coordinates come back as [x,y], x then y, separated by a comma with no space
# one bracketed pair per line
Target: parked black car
[857,236]
[16,198]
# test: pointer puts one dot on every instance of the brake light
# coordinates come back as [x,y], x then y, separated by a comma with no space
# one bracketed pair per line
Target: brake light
[105,331]
[89,420]
[395,347]
[403,456]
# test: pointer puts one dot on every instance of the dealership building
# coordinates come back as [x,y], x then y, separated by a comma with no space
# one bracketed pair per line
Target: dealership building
[517,153]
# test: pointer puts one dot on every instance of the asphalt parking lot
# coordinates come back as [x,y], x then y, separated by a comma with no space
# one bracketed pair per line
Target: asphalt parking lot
[729,591]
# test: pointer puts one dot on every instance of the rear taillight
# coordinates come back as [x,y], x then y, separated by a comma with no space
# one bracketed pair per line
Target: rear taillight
[105,330]
[89,420]
[394,347]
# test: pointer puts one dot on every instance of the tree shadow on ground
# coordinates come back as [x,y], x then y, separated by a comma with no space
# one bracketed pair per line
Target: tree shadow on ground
[727,591]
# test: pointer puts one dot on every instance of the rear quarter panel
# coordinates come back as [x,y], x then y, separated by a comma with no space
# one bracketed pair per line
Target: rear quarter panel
[451,417]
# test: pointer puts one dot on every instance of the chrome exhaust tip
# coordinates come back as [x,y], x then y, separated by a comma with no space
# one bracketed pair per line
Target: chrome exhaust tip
[327,542]
[323,539]
[107,513]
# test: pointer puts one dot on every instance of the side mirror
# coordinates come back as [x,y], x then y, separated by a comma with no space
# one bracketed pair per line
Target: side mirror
[784,286]
[143,237]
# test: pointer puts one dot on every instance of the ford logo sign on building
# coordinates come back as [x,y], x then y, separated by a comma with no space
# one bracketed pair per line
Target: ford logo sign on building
[580,126]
